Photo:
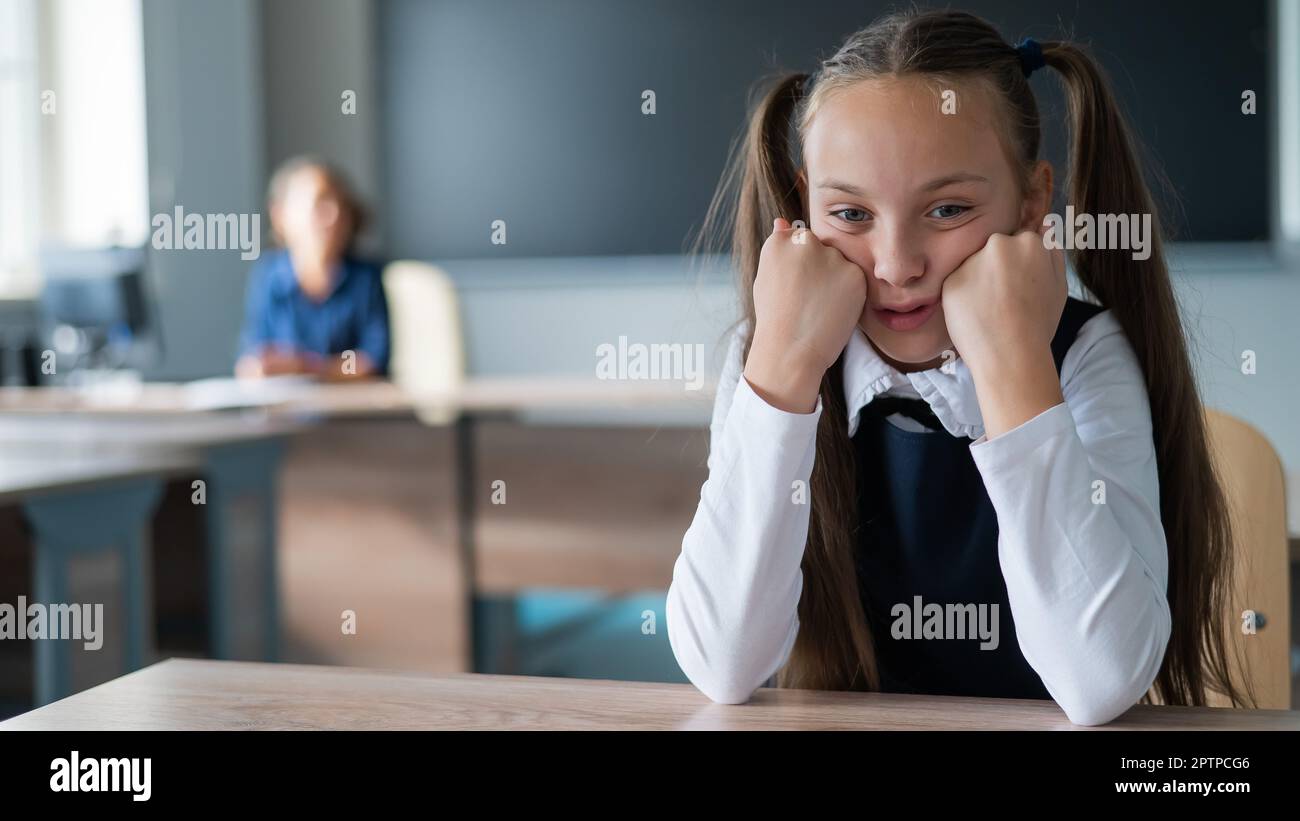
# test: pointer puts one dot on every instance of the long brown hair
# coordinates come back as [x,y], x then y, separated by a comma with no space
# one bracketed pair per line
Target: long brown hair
[834,648]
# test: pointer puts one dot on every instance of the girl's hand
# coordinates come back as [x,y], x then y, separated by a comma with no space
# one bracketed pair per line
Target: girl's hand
[1002,306]
[807,300]
[1004,302]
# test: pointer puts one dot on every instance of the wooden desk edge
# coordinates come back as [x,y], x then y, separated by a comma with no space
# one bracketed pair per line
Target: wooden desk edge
[1166,717]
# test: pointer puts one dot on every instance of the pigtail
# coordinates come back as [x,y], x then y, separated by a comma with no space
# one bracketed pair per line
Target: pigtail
[833,650]
[1106,178]
[758,185]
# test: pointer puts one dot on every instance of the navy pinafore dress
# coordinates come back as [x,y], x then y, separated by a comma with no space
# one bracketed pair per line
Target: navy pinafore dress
[926,528]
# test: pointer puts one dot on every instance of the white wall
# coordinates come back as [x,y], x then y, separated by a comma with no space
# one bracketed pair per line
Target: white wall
[1229,311]
[551,315]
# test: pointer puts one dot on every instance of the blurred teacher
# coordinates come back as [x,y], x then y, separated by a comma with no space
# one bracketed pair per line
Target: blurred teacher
[312,306]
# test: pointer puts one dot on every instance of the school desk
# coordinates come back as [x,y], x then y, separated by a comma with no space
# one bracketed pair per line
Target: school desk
[185,694]
[463,408]
[160,413]
[85,480]
[80,505]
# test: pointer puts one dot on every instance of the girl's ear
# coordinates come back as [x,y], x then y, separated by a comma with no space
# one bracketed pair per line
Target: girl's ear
[1038,197]
[801,182]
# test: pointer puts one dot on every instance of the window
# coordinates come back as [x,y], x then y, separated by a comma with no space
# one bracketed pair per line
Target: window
[19,148]
[73,166]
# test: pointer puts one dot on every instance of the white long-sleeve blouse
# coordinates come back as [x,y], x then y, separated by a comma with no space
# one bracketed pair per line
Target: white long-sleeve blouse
[1086,579]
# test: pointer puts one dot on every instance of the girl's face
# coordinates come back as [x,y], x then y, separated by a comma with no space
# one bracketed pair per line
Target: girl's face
[907,193]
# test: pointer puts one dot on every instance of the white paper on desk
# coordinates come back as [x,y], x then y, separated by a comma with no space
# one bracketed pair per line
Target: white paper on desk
[223,393]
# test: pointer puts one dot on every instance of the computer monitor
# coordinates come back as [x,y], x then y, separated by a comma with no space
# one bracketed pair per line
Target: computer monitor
[95,307]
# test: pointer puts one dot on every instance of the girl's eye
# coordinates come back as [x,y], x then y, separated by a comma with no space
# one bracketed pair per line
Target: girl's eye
[947,212]
[861,215]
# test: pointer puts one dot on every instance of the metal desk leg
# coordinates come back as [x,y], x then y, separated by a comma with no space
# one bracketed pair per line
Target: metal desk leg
[112,519]
[466,501]
[239,473]
[490,620]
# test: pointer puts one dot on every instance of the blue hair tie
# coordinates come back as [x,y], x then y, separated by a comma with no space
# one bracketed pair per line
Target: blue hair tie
[1031,55]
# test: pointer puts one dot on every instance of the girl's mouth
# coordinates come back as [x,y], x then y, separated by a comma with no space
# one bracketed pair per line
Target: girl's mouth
[905,320]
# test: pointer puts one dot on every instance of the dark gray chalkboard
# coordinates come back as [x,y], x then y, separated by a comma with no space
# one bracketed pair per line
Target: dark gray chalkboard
[529,110]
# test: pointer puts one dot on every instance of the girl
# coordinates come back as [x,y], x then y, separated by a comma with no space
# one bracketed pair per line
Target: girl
[930,471]
[312,301]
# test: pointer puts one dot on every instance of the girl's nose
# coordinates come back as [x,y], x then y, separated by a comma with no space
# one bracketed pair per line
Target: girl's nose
[897,261]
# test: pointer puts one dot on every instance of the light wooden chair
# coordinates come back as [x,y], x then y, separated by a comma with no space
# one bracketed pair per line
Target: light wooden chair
[1252,478]
[428,349]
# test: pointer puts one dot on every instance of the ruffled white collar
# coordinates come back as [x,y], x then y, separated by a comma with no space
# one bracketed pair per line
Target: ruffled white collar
[950,395]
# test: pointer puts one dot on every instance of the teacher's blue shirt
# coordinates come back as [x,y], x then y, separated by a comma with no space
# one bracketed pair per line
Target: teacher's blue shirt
[353,316]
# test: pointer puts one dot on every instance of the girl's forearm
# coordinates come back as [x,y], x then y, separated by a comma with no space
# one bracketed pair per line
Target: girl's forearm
[781,377]
[1015,387]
